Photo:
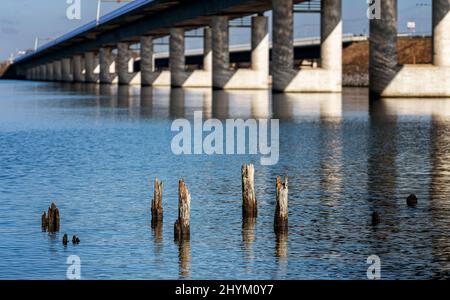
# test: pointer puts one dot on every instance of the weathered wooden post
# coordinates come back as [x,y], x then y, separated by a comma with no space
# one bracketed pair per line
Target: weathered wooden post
[157,207]
[44,224]
[52,221]
[65,239]
[281,210]
[182,225]
[249,204]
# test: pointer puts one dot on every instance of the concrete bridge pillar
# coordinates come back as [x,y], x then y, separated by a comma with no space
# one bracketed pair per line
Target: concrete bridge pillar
[389,79]
[207,51]
[42,72]
[257,77]
[124,62]
[49,67]
[57,70]
[327,78]
[150,77]
[180,77]
[177,59]
[383,47]
[441,33]
[107,67]
[92,67]
[77,68]
[66,69]
[28,74]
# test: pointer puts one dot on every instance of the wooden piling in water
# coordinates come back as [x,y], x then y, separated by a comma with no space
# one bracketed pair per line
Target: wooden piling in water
[249,204]
[157,207]
[182,225]
[281,210]
[51,222]
[44,224]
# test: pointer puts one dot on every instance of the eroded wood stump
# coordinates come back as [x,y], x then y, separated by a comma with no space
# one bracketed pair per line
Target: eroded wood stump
[65,239]
[249,204]
[50,222]
[53,221]
[281,210]
[182,225]
[44,224]
[157,207]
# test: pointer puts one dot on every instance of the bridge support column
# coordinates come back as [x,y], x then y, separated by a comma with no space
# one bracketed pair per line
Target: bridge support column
[57,70]
[180,77]
[257,77]
[77,68]
[107,66]
[150,77]
[41,73]
[327,78]
[441,33]
[92,67]
[177,60]
[66,66]
[44,72]
[28,74]
[124,62]
[32,73]
[49,67]
[389,79]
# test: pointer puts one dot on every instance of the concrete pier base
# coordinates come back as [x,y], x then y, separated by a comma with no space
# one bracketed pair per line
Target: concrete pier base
[92,68]
[107,66]
[49,74]
[325,79]
[180,77]
[57,71]
[124,62]
[257,77]
[66,69]
[389,79]
[42,72]
[150,77]
[78,68]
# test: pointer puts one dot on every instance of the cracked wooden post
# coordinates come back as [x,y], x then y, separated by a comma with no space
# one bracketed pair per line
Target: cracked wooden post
[182,225]
[44,224]
[281,211]
[157,207]
[249,205]
[53,221]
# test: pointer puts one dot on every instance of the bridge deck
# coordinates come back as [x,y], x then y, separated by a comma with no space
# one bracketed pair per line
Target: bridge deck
[144,17]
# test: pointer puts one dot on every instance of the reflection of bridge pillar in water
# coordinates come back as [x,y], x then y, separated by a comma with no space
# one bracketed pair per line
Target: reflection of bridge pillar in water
[241,104]
[381,164]
[331,151]
[177,103]
[440,190]
[147,101]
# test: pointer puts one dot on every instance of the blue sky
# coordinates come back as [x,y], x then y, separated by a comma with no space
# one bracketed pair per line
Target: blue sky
[21,21]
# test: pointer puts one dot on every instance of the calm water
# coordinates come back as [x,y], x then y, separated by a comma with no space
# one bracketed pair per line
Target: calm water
[96,150]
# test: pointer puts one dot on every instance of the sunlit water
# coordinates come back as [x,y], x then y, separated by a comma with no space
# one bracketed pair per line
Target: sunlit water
[95,151]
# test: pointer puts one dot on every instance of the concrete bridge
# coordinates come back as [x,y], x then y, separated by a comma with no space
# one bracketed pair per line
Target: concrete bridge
[86,54]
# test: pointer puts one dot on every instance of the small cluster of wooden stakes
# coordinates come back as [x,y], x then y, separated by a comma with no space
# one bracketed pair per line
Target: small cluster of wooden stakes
[249,204]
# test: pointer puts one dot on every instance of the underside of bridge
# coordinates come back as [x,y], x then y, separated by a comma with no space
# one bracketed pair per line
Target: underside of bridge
[86,55]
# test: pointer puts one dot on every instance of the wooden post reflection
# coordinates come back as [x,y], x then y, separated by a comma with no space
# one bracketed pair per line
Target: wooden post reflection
[184,258]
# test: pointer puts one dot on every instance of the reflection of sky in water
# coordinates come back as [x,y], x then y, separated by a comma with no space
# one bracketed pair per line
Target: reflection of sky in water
[95,150]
